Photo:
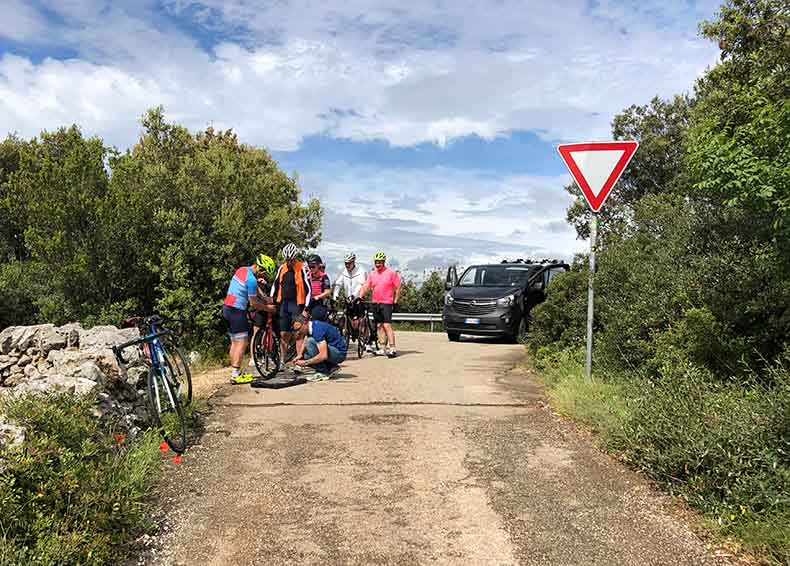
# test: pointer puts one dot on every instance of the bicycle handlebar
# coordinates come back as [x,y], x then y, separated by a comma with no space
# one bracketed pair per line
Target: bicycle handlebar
[118,349]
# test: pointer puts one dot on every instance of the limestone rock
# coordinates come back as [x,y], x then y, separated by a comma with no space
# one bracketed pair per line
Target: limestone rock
[52,340]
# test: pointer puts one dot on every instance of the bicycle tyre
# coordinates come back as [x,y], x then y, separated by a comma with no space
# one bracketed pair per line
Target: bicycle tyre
[363,338]
[179,368]
[266,352]
[160,394]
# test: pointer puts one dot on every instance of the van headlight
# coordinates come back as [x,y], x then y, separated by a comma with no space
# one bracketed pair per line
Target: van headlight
[448,299]
[506,301]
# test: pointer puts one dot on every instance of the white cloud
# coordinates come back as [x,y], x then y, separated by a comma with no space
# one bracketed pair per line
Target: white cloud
[433,72]
[471,216]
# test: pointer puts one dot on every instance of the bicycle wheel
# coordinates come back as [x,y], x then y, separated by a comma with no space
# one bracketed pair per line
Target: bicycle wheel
[166,410]
[363,339]
[178,367]
[266,352]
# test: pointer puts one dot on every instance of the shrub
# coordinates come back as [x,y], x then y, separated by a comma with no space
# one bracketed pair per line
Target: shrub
[73,491]
[724,447]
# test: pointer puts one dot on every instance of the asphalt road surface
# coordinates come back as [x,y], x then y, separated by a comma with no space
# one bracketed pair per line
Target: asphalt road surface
[444,455]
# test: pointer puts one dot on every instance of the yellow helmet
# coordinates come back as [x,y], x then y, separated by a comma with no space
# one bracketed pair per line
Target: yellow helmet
[266,264]
[380,256]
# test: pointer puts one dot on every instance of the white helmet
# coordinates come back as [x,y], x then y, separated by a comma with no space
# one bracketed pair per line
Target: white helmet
[290,251]
[350,256]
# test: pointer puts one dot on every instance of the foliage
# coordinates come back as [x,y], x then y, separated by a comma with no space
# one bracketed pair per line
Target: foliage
[73,492]
[660,128]
[723,447]
[160,227]
[692,291]
[425,298]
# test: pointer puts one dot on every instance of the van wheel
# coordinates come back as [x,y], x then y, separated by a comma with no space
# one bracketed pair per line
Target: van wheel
[453,336]
[523,327]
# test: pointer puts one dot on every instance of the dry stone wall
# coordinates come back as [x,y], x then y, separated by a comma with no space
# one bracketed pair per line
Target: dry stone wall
[71,358]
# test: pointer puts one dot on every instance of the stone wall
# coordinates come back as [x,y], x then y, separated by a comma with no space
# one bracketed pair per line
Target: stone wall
[70,358]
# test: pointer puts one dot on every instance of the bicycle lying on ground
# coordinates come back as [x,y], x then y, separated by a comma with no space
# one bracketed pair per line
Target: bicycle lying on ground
[169,384]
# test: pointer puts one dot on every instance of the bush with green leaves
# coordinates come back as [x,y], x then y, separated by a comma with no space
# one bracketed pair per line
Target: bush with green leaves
[73,491]
[160,227]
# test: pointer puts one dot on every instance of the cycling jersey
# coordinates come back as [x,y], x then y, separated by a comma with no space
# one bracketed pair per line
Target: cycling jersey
[241,288]
[350,283]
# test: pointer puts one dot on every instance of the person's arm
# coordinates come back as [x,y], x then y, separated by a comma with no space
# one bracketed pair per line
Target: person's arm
[323,354]
[326,287]
[252,291]
[336,287]
[275,283]
[307,288]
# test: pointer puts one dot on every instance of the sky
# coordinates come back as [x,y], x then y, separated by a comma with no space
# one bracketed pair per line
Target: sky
[427,129]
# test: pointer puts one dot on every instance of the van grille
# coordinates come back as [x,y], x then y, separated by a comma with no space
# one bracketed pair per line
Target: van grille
[478,308]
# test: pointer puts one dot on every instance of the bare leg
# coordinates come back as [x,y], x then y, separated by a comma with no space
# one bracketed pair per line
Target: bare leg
[237,348]
[390,334]
[255,330]
[285,341]
[382,335]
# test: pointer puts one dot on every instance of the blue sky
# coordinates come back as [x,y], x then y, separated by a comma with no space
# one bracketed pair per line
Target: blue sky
[426,129]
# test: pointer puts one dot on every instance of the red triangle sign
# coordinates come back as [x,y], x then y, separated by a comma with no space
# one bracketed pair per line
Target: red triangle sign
[596,166]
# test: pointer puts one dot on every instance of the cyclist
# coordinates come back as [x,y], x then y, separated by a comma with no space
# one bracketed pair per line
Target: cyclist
[350,281]
[386,293]
[261,316]
[320,288]
[324,348]
[242,291]
[291,291]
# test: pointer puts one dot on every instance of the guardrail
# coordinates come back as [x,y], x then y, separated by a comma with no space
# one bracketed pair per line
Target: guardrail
[416,317]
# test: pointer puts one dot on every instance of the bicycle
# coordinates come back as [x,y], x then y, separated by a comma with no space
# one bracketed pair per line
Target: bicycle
[266,350]
[169,385]
[366,331]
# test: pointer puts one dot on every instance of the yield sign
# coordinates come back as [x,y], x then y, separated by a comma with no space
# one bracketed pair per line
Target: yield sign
[596,166]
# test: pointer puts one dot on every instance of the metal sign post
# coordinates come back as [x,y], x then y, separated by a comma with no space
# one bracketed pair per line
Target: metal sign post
[590,293]
[596,167]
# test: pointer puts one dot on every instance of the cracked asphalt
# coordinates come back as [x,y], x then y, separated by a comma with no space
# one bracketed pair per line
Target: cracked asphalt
[444,455]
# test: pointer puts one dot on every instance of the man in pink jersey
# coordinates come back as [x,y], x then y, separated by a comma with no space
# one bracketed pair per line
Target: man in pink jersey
[386,293]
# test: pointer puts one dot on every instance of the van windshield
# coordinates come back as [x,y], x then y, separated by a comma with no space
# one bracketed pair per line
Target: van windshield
[494,276]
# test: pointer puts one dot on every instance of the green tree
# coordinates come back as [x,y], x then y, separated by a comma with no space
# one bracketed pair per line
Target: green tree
[660,128]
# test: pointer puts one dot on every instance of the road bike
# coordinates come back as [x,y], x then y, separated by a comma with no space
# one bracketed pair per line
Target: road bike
[169,385]
[266,349]
[364,334]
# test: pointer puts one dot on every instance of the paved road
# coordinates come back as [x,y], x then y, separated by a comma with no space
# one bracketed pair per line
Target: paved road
[441,456]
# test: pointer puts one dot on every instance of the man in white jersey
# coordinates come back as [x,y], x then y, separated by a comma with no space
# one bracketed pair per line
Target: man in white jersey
[350,281]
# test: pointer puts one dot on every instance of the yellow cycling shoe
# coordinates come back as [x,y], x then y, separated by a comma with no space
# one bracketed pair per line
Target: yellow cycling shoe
[241,379]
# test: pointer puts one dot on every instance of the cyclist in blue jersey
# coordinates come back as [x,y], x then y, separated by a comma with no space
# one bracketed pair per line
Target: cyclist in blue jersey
[243,291]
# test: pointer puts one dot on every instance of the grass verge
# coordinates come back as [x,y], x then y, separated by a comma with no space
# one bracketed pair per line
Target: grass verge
[722,447]
[73,492]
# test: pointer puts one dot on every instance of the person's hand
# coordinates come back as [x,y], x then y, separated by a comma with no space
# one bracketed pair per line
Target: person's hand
[300,363]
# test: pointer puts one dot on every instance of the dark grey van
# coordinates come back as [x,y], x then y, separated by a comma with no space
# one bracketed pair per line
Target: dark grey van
[495,299]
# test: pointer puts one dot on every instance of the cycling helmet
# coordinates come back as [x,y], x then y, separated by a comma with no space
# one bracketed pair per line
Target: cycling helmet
[265,263]
[350,256]
[290,251]
[314,259]
[380,256]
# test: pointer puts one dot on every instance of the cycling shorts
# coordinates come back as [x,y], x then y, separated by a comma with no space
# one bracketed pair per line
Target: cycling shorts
[288,311]
[382,313]
[238,323]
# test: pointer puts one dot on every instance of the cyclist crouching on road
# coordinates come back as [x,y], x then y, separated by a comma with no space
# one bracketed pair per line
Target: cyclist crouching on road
[291,291]
[320,289]
[324,348]
[242,291]
[385,284]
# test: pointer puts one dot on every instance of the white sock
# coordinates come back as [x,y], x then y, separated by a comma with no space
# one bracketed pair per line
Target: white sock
[234,371]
